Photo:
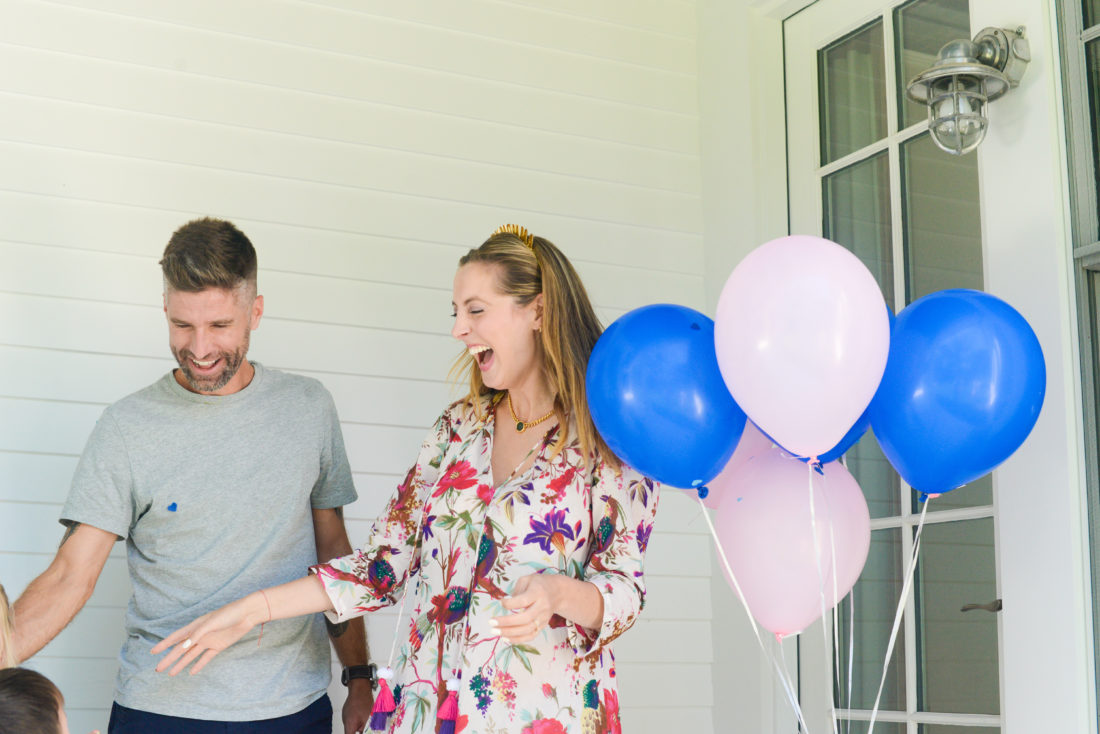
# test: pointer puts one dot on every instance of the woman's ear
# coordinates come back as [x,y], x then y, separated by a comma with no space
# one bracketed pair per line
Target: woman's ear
[538,303]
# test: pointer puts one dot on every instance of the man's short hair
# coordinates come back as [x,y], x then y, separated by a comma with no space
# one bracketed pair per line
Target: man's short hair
[208,253]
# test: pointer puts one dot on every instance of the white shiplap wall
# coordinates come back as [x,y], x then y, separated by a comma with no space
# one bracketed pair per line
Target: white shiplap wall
[363,147]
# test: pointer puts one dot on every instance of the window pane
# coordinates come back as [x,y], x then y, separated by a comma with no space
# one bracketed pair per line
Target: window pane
[978,493]
[856,210]
[862,727]
[875,476]
[922,28]
[1092,64]
[852,86]
[1091,12]
[957,654]
[942,223]
[876,597]
[945,729]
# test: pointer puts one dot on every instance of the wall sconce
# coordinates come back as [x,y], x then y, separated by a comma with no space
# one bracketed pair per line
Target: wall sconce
[967,75]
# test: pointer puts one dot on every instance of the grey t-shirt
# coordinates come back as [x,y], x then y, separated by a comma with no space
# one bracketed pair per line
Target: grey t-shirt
[213,495]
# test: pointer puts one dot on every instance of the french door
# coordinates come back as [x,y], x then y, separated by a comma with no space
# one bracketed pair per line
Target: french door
[864,173]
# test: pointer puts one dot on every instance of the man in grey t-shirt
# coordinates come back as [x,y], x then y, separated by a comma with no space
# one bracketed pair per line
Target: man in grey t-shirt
[223,477]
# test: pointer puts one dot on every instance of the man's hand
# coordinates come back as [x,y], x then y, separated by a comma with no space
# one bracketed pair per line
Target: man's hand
[358,705]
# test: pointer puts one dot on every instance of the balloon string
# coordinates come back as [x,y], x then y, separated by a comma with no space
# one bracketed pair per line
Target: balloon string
[906,588]
[837,627]
[851,650]
[810,467]
[838,667]
[780,671]
[786,678]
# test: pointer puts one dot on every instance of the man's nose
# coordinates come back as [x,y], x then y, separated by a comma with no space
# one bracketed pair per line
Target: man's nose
[200,343]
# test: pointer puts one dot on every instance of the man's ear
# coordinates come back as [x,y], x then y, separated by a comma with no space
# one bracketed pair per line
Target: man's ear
[257,312]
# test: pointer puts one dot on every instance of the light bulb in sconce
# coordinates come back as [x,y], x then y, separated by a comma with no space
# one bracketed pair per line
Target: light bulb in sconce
[966,76]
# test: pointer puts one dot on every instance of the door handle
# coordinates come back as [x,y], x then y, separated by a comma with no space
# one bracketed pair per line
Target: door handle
[992,606]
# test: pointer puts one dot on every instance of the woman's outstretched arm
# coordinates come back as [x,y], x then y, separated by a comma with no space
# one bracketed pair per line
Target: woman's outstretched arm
[211,633]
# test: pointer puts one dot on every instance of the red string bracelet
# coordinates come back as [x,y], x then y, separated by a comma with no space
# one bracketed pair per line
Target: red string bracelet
[261,637]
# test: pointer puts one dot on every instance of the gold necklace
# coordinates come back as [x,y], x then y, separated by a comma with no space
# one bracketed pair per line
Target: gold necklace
[522,425]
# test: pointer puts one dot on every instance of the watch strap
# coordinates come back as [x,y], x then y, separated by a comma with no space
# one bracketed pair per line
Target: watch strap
[352,672]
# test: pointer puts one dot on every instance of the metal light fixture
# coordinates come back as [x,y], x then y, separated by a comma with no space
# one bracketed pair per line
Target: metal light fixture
[967,75]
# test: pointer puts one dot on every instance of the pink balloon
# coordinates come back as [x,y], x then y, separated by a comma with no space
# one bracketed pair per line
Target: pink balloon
[763,524]
[752,442]
[801,334]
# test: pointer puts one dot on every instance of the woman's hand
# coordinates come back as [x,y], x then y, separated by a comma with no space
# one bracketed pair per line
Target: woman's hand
[210,634]
[535,599]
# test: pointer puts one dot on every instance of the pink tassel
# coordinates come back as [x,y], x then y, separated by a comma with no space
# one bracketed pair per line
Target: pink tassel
[384,704]
[448,711]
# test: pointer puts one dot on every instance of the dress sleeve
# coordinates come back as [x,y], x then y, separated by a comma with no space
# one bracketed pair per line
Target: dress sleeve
[624,505]
[373,576]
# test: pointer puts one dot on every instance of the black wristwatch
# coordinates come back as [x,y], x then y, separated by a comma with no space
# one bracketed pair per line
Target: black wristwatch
[359,671]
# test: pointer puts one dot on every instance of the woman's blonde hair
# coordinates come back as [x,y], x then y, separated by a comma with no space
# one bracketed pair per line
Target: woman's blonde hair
[527,266]
[7,632]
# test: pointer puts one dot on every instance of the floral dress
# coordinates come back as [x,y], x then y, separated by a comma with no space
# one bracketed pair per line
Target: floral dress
[462,544]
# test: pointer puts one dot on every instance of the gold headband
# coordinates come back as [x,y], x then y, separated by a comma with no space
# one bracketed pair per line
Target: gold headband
[526,237]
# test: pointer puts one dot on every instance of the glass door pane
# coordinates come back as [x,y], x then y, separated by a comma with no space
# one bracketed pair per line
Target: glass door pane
[878,480]
[876,597]
[957,664]
[852,87]
[922,27]
[941,219]
[857,215]
[881,727]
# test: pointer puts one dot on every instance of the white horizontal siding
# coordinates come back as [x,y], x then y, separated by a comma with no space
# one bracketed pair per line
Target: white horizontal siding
[363,149]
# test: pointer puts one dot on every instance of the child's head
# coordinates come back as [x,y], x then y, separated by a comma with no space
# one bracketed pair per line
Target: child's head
[7,650]
[29,702]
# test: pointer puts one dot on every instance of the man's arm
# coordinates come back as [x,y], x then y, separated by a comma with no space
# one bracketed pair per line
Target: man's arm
[51,601]
[348,638]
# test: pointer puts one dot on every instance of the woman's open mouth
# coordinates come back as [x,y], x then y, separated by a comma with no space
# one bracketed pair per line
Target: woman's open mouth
[483,355]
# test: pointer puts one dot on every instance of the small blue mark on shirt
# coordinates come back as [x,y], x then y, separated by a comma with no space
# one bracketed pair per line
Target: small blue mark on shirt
[172,507]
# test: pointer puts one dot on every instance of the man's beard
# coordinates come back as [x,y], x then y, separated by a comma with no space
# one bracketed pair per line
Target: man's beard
[231,362]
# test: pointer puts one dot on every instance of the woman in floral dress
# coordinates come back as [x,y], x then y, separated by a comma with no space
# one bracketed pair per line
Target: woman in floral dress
[517,538]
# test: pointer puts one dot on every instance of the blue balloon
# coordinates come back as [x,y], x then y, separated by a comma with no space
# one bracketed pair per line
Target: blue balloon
[963,387]
[658,399]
